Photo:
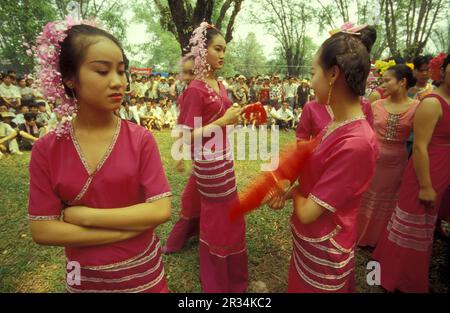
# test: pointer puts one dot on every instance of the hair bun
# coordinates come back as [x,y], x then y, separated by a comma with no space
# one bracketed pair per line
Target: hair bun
[368,36]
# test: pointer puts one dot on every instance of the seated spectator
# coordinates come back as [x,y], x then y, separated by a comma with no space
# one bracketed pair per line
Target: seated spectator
[3,108]
[8,135]
[157,115]
[145,114]
[272,115]
[126,113]
[168,120]
[26,93]
[42,116]
[30,132]
[297,115]
[20,118]
[163,88]
[285,116]
[9,93]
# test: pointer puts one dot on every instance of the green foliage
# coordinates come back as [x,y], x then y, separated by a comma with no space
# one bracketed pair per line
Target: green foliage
[160,50]
[20,22]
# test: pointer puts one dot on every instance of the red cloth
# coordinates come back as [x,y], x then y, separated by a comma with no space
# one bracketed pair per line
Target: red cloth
[60,177]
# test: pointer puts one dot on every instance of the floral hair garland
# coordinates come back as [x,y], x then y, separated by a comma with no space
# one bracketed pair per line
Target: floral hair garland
[383,66]
[199,52]
[435,67]
[49,82]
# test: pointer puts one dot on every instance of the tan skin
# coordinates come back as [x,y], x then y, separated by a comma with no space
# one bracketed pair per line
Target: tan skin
[397,101]
[428,113]
[345,105]
[100,75]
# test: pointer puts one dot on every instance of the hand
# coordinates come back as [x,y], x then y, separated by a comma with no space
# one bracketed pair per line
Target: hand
[427,197]
[277,202]
[74,215]
[179,166]
[231,116]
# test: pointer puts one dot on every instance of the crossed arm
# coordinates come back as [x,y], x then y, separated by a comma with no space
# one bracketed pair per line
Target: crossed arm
[83,226]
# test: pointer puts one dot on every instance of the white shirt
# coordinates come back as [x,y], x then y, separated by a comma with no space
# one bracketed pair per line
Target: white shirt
[157,112]
[5,129]
[290,90]
[285,114]
[9,92]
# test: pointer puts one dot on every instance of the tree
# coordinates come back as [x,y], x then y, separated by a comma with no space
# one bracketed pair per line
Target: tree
[421,16]
[160,50]
[441,38]
[181,17]
[20,22]
[245,56]
[109,12]
[287,21]
[334,15]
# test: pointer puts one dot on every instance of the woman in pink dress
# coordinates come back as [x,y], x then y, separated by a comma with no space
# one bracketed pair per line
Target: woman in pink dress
[404,249]
[393,123]
[205,113]
[326,202]
[188,224]
[315,117]
[97,186]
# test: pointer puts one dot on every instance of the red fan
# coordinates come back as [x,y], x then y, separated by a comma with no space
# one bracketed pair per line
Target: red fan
[292,161]
[255,111]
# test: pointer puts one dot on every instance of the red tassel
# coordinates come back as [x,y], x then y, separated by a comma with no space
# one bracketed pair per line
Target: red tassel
[292,161]
[259,114]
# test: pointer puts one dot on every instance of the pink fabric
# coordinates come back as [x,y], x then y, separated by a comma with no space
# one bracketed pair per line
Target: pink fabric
[316,117]
[213,170]
[405,247]
[222,275]
[58,176]
[329,180]
[189,223]
[380,200]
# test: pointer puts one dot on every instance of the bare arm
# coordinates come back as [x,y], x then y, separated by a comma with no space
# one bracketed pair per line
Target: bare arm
[139,217]
[9,137]
[27,136]
[425,119]
[59,233]
[306,210]
[374,96]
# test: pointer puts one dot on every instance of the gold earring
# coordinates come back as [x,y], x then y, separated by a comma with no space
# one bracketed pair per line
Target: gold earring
[329,94]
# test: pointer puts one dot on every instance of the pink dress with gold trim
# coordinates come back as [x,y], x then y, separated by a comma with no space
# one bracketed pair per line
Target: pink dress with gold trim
[130,173]
[337,175]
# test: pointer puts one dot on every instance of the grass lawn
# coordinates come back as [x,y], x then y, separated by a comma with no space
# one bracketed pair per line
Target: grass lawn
[28,267]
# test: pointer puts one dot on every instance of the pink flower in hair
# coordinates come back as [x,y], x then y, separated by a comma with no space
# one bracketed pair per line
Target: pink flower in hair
[49,80]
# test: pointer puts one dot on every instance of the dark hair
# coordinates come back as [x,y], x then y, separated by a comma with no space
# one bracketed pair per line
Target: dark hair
[401,71]
[74,47]
[41,103]
[29,116]
[446,61]
[398,60]
[351,54]
[211,32]
[421,60]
